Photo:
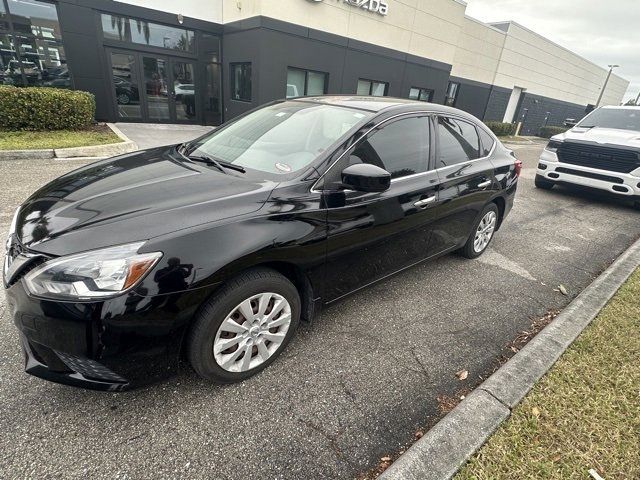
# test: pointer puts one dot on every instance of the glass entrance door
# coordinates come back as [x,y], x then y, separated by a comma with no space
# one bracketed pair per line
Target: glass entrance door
[153,88]
[184,90]
[156,88]
[126,84]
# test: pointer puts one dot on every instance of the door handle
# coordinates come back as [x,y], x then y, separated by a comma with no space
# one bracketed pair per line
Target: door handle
[424,203]
[485,184]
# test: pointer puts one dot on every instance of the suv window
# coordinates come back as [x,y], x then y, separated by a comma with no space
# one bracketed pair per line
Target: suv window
[458,142]
[401,148]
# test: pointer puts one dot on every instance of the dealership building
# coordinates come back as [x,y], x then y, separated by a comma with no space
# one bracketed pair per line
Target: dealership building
[207,61]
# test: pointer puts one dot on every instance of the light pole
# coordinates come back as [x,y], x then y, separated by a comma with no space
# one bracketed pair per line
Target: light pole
[604,87]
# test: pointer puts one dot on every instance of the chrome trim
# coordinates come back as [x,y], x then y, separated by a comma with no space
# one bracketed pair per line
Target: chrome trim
[485,184]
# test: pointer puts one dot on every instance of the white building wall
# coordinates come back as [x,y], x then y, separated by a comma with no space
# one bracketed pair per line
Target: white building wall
[426,28]
[478,51]
[544,68]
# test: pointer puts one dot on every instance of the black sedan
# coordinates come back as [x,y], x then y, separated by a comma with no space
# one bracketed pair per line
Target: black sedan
[215,250]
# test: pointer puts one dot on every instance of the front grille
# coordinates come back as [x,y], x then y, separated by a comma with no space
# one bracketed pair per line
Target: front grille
[601,157]
[595,176]
[89,368]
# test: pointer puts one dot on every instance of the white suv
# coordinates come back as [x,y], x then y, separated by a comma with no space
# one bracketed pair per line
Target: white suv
[602,151]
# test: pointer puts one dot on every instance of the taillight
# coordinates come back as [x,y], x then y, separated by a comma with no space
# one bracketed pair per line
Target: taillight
[518,167]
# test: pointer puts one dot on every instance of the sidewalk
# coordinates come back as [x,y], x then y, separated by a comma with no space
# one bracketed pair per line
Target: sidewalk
[149,135]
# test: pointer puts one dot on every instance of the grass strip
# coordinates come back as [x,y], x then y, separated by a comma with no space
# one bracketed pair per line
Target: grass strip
[584,414]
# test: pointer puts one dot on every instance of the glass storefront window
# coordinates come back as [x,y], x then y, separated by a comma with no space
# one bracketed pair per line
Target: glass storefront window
[372,87]
[241,82]
[33,17]
[125,29]
[295,83]
[212,111]
[306,82]
[422,94]
[10,73]
[34,54]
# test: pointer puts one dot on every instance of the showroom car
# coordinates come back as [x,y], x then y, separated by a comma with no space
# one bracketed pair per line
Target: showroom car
[214,251]
[602,151]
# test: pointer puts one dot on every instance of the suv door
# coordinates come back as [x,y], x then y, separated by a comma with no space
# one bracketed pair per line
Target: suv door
[467,181]
[372,235]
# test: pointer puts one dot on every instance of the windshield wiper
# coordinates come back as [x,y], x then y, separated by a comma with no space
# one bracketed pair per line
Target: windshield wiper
[220,165]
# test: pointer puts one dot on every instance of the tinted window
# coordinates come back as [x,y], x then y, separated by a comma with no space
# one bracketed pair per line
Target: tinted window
[132,30]
[452,94]
[241,81]
[458,142]
[487,142]
[422,94]
[305,82]
[401,148]
[371,87]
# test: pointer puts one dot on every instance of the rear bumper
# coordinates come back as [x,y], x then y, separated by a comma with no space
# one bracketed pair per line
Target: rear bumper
[623,184]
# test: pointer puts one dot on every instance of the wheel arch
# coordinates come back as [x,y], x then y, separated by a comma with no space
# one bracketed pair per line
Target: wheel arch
[501,203]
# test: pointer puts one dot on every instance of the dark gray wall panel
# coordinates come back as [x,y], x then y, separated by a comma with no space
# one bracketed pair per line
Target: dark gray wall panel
[422,76]
[497,104]
[472,96]
[536,111]
[240,47]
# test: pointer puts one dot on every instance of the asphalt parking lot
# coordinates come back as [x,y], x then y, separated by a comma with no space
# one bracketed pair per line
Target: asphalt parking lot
[352,387]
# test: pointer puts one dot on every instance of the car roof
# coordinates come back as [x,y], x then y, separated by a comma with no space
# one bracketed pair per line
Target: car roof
[377,104]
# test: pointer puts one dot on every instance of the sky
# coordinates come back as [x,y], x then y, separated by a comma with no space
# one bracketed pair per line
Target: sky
[603,31]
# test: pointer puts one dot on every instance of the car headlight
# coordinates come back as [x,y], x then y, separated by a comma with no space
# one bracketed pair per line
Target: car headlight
[91,275]
[553,146]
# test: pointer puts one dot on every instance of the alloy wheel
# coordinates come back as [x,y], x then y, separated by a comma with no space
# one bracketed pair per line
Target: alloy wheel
[252,332]
[485,231]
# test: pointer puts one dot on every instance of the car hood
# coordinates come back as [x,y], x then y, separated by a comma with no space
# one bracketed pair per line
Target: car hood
[131,198]
[602,135]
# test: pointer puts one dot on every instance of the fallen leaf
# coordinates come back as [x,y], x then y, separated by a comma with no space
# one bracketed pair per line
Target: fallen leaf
[563,290]
[514,349]
[535,411]
[385,459]
[419,434]
[462,374]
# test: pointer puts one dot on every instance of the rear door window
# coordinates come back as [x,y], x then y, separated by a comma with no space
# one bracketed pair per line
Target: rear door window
[458,142]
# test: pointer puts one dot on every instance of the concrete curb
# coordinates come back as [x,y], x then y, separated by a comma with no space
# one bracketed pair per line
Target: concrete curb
[93,152]
[448,445]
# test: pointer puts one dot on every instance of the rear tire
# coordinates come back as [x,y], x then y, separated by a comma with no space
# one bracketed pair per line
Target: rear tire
[244,305]
[482,233]
[542,183]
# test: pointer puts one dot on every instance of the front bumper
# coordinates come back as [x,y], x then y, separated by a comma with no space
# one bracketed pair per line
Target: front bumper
[624,184]
[111,345]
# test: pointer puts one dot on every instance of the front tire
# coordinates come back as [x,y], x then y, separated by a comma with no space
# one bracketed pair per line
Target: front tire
[243,328]
[482,232]
[542,183]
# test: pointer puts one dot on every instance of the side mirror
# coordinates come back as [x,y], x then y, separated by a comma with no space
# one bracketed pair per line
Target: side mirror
[570,122]
[364,177]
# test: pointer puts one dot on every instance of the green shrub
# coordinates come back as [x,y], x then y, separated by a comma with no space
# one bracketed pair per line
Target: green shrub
[502,129]
[548,132]
[45,108]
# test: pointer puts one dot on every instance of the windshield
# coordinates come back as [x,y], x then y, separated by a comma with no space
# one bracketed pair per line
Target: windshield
[620,118]
[281,138]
